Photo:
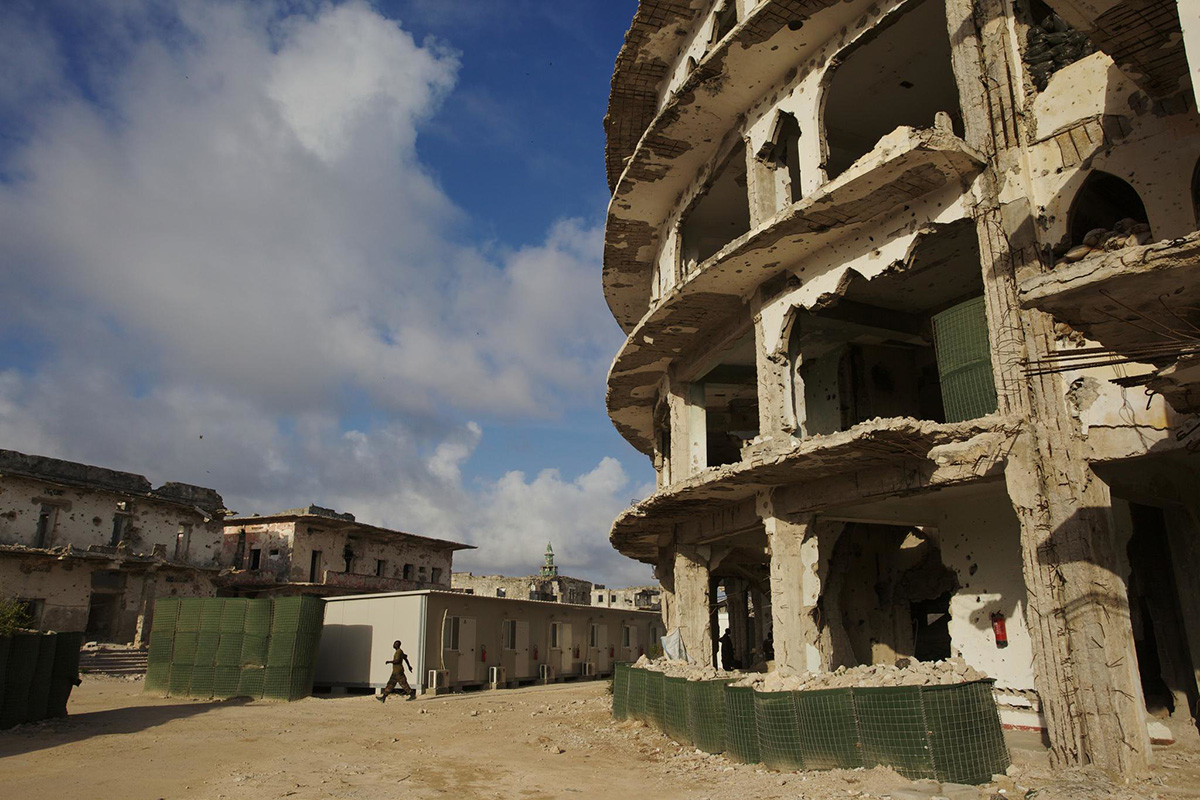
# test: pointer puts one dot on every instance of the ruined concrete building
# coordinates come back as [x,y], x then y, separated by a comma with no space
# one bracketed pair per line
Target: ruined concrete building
[641,598]
[89,549]
[314,550]
[907,286]
[547,585]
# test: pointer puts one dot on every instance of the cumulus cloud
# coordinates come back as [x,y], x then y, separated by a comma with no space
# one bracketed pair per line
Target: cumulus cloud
[219,232]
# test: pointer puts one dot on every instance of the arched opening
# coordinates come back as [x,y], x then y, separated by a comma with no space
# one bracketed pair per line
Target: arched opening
[1101,202]
[898,74]
[725,21]
[720,215]
[729,393]
[782,153]
[888,596]
[1196,192]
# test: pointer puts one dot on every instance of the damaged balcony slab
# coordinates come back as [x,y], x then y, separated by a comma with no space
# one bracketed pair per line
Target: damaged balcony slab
[649,169]
[1153,282]
[881,457]
[905,165]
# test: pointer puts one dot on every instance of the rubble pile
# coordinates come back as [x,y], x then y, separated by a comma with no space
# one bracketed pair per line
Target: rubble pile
[1052,45]
[1126,233]
[681,669]
[914,673]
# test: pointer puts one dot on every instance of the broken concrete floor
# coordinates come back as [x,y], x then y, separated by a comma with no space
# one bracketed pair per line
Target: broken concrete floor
[540,742]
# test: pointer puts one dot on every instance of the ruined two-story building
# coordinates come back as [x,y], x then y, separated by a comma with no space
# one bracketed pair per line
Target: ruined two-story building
[314,550]
[86,548]
[911,342]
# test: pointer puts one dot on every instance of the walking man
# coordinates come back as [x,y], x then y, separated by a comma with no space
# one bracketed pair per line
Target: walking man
[399,660]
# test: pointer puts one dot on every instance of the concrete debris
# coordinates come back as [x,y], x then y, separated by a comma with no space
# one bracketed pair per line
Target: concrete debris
[914,673]
[681,669]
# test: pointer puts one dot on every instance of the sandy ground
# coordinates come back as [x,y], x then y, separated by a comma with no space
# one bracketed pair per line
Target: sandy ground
[540,742]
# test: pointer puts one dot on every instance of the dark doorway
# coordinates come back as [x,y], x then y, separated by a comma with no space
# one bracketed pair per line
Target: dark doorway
[1164,663]
[314,567]
[105,605]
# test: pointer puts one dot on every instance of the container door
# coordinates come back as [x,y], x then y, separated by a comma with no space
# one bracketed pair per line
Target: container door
[521,663]
[568,661]
[468,659]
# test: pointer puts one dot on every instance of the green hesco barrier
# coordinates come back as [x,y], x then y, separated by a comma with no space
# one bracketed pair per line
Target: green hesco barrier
[828,730]
[635,704]
[892,729]
[675,710]
[741,733]
[18,678]
[960,336]
[64,673]
[656,698]
[39,687]
[222,647]
[188,619]
[965,732]
[778,731]
[620,691]
[165,616]
[5,644]
[706,715]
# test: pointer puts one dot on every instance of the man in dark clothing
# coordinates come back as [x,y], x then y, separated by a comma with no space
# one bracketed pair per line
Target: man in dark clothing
[399,660]
[728,661]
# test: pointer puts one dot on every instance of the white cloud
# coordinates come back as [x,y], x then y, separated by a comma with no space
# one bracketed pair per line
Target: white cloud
[239,235]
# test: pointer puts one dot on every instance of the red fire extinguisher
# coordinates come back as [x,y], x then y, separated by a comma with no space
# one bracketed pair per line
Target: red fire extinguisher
[483,652]
[611,651]
[576,651]
[1000,630]
[535,653]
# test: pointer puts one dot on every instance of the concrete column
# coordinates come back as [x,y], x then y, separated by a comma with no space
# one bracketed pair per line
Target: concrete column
[692,602]
[776,419]
[795,589]
[760,628]
[664,571]
[689,432]
[1183,536]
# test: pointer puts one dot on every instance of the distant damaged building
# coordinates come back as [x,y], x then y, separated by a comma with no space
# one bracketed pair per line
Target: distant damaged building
[89,549]
[913,341]
[547,586]
[314,550]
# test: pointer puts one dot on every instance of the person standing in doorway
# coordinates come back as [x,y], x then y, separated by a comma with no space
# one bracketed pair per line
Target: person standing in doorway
[398,662]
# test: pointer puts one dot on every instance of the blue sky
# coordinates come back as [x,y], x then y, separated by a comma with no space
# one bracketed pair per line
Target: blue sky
[341,253]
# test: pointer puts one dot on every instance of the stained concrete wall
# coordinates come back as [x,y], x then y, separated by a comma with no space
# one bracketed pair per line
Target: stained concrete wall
[294,542]
[84,517]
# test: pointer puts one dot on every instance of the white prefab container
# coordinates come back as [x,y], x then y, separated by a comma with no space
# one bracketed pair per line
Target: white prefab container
[460,637]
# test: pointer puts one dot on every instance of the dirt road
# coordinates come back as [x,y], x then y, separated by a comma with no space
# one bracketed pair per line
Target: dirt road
[543,742]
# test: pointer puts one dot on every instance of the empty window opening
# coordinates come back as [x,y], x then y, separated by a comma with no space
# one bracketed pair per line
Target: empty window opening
[183,540]
[501,592]
[730,392]
[450,634]
[380,567]
[45,523]
[408,572]
[782,151]
[435,575]
[421,574]
[720,215]
[888,596]
[1102,203]
[120,528]
[1155,613]
[911,342]
[255,557]
[899,74]
[314,567]
[724,21]
[28,613]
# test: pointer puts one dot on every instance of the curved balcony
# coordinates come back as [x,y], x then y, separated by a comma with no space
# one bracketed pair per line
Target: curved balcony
[657,161]
[905,166]
[878,457]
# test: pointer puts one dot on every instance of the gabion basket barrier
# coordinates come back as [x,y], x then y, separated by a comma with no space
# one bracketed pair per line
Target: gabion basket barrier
[951,733]
[676,710]
[778,731]
[741,730]
[706,714]
[656,699]
[635,702]
[217,647]
[37,673]
[620,691]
